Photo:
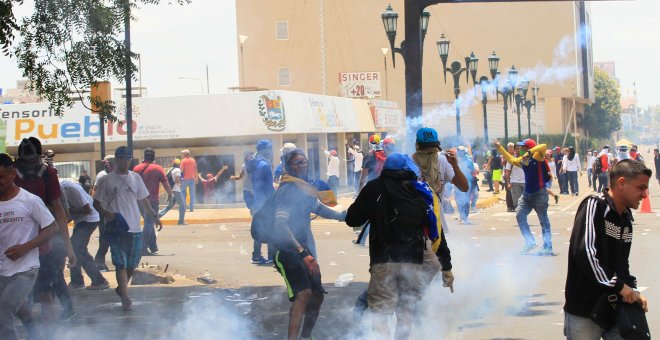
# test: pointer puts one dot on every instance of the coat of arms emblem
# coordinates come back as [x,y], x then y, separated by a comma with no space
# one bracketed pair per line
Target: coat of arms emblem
[272,112]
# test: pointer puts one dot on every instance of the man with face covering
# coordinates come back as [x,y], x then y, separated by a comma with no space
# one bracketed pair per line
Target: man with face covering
[41,180]
[295,258]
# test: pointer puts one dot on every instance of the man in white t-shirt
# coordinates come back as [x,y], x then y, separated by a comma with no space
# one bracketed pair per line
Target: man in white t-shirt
[22,214]
[116,197]
[333,170]
[357,167]
[177,197]
[85,220]
[515,179]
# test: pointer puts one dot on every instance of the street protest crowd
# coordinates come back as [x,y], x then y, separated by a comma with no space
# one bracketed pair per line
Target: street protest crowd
[401,206]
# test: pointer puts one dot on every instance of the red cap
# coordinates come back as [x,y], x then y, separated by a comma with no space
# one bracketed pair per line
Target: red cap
[529,143]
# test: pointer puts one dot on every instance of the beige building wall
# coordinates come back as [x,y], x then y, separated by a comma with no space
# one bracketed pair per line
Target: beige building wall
[538,38]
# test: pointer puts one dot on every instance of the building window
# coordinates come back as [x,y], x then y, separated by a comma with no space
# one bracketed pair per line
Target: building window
[282,30]
[72,170]
[284,77]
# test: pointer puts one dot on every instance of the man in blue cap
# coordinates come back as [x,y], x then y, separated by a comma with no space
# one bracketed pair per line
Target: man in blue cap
[535,196]
[261,174]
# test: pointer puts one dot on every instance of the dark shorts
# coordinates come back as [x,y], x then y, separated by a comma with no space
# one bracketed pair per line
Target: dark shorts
[295,274]
[51,266]
[126,250]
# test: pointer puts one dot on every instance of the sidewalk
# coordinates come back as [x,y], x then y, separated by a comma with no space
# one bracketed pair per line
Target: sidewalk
[234,214]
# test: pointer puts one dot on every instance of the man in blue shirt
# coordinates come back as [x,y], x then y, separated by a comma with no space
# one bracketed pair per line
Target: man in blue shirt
[261,174]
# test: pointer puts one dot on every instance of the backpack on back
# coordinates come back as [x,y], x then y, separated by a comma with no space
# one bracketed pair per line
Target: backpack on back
[170,178]
[598,165]
[263,220]
[406,209]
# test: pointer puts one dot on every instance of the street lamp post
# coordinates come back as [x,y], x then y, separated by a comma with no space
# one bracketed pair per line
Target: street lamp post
[242,39]
[385,50]
[507,91]
[528,105]
[416,25]
[521,100]
[493,63]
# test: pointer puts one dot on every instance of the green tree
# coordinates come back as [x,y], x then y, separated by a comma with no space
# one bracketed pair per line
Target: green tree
[66,45]
[604,116]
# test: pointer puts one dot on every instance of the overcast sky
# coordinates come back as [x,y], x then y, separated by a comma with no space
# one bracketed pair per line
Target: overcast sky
[180,41]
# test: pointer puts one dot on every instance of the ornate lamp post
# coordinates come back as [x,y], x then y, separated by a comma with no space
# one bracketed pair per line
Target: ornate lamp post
[493,63]
[528,105]
[507,91]
[456,69]
[416,26]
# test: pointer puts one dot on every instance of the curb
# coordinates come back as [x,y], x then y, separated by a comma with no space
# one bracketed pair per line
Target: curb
[209,220]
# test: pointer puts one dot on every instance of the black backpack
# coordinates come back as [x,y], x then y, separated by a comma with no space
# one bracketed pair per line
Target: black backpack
[170,178]
[406,210]
[598,165]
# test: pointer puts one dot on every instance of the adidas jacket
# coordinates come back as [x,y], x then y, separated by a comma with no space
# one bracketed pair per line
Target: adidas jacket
[598,253]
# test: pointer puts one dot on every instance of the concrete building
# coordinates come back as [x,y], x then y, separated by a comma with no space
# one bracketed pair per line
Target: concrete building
[307,46]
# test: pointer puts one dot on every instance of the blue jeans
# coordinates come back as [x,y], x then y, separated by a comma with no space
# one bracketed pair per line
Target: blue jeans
[463,204]
[185,184]
[333,183]
[82,232]
[563,183]
[149,232]
[177,197]
[538,202]
[603,179]
[579,328]
[589,175]
[573,181]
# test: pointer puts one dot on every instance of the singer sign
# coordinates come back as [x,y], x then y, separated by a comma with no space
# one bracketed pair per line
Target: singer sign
[359,84]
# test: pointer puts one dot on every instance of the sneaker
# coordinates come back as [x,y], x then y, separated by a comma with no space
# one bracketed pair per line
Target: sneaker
[556,199]
[102,267]
[545,252]
[67,315]
[75,287]
[261,260]
[101,286]
[527,248]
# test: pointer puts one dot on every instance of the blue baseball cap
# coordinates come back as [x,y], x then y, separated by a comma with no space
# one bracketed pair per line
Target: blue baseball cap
[427,135]
[264,144]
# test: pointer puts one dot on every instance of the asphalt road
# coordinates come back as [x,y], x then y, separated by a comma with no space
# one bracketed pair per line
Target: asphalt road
[499,294]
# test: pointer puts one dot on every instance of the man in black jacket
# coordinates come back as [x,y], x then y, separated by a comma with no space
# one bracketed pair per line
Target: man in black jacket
[599,249]
[401,260]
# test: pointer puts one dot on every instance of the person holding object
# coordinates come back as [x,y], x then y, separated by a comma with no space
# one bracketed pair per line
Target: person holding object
[598,252]
[118,197]
[295,256]
[535,196]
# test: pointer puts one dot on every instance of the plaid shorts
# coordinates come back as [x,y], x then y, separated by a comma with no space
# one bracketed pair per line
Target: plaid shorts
[126,250]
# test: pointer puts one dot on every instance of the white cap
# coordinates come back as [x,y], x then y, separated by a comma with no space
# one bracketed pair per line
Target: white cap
[288,147]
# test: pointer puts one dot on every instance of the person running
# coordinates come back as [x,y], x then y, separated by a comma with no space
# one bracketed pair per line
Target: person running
[357,167]
[598,253]
[85,220]
[601,167]
[591,176]
[295,256]
[535,196]
[41,179]
[402,243]
[118,197]
[333,170]
[27,224]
